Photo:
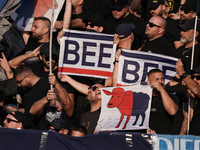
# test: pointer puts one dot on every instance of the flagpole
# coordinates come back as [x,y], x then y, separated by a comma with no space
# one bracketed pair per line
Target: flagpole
[50,43]
[192,60]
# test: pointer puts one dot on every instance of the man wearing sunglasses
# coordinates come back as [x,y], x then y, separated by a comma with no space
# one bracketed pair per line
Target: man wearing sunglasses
[41,69]
[156,42]
[94,23]
[188,10]
[121,14]
[193,85]
[17,120]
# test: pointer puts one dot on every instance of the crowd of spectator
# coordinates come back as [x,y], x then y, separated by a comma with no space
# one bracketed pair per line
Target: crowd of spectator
[73,105]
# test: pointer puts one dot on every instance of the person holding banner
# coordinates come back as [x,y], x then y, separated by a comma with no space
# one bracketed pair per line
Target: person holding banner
[90,118]
[121,14]
[193,85]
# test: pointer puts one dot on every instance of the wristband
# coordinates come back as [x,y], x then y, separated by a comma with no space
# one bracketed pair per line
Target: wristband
[115,61]
[184,75]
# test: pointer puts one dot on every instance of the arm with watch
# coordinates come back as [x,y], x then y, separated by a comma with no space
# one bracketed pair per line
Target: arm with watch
[116,67]
[192,85]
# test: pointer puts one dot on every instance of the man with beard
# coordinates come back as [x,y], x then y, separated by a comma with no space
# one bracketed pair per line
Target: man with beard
[163,106]
[35,87]
[90,118]
[42,68]
[40,33]
[120,14]
[185,51]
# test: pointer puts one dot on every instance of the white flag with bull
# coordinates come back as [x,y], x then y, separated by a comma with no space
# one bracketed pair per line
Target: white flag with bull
[125,108]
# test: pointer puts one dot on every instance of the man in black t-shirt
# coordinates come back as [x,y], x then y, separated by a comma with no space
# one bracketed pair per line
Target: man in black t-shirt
[156,43]
[163,105]
[185,51]
[55,104]
[121,14]
[42,68]
[193,85]
[35,87]
[40,33]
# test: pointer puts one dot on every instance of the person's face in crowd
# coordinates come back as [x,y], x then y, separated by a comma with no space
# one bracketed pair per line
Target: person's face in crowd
[23,80]
[119,14]
[77,133]
[187,36]
[196,78]
[57,104]
[37,30]
[152,28]
[93,91]
[11,122]
[157,12]
[157,77]
[185,15]
[93,28]
[76,3]
[46,62]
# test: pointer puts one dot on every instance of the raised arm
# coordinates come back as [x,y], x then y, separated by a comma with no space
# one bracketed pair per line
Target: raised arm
[169,105]
[20,59]
[67,104]
[67,14]
[192,85]
[82,88]
[116,67]
[6,67]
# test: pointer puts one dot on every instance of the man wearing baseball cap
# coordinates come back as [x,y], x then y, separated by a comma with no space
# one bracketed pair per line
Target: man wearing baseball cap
[124,35]
[121,14]
[59,125]
[185,51]
[17,120]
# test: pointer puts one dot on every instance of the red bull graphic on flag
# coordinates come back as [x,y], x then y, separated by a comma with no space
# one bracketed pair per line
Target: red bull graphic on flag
[135,65]
[29,9]
[87,54]
[125,108]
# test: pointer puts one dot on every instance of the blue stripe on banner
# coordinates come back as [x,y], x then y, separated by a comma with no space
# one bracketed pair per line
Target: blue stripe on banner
[148,57]
[89,36]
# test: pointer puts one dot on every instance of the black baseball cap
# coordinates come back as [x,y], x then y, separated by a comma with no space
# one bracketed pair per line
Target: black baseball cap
[118,4]
[21,117]
[44,50]
[188,25]
[190,5]
[197,70]
[59,124]
[124,29]
[95,19]
[153,4]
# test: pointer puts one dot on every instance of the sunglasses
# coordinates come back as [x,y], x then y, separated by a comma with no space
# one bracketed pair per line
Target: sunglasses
[151,25]
[19,82]
[93,88]
[117,9]
[54,57]
[90,24]
[197,77]
[9,120]
[185,11]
